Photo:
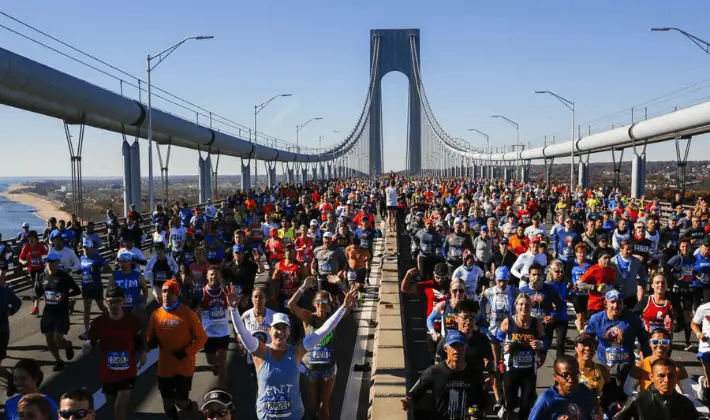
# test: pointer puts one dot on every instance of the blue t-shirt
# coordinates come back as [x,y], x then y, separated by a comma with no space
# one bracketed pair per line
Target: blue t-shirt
[91,269]
[552,405]
[11,408]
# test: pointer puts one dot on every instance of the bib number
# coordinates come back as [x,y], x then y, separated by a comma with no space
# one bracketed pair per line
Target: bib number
[118,360]
[321,355]
[538,313]
[50,297]
[36,262]
[217,313]
[352,276]
[364,243]
[616,355]
[128,301]
[523,359]
[278,408]
[87,278]
[326,268]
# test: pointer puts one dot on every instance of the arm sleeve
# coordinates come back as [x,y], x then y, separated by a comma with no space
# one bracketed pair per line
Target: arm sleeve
[316,337]
[148,271]
[432,318]
[422,385]
[630,385]
[250,342]
[173,264]
[517,265]
[640,305]
[686,389]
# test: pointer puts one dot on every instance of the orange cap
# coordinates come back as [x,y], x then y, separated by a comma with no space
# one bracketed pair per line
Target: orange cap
[172,286]
[427,221]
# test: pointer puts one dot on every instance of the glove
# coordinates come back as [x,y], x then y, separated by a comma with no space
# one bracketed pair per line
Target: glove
[179,354]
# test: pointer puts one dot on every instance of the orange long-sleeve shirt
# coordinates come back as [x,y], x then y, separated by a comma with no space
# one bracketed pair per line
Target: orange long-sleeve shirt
[175,330]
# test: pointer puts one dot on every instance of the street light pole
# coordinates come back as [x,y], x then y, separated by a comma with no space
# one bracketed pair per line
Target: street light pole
[160,56]
[298,149]
[257,110]
[517,134]
[488,139]
[570,105]
[704,45]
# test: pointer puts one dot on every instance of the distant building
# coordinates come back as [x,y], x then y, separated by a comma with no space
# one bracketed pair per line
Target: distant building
[62,189]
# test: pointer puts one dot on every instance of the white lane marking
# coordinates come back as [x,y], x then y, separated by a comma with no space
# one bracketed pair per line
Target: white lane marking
[351,401]
[150,359]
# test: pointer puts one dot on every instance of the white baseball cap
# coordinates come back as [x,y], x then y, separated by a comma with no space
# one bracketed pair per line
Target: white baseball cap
[280,318]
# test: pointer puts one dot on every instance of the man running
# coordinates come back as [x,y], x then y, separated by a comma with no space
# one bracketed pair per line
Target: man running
[56,286]
[212,304]
[119,334]
[177,331]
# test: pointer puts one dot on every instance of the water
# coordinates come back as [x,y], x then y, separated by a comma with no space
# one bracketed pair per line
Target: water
[13,214]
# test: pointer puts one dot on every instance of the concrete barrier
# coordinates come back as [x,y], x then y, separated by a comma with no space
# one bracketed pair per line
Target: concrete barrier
[389,379]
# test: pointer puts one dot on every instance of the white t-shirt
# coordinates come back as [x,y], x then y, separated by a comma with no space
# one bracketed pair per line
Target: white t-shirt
[470,278]
[177,238]
[701,318]
[260,330]
[391,196]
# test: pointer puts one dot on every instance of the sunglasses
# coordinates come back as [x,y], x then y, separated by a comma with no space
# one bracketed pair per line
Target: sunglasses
[213,414]
[662,341]
[78,414]
[320,300]
[568,376]
[458,291]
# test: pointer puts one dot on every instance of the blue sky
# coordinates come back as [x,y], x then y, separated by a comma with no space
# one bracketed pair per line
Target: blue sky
[478,58]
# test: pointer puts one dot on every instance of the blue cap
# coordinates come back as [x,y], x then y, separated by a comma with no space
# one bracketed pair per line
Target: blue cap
[578,205]
[237,249]
[484,228]
[613,295]
[502,273]
[419,213]
[455,337]
[53,256]
[55,234]
[125,255]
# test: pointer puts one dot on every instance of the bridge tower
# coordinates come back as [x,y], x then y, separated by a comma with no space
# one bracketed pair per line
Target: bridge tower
[395,54]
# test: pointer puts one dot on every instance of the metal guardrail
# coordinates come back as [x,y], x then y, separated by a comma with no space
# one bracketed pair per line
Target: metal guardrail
[18,280]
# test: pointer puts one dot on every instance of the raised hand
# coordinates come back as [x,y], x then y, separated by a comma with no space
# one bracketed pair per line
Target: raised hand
[233,297]
[351,298]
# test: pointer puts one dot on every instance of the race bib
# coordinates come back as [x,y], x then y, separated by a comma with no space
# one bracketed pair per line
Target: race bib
[352,275]
[277,406]
[87,278]
[364,243]
[321,355]
[128,301]
[455,252]
[50,297]
[523,359]
[704,278]
[326,268]
[616,355]
[211,254]
[538,313]
[160,276]
[217,313]
[117,360]
[425,247]
[35,262]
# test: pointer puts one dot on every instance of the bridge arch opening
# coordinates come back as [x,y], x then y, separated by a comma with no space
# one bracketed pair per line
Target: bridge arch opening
[395,121]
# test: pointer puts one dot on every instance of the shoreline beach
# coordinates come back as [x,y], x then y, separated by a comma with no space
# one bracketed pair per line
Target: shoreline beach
[45,207]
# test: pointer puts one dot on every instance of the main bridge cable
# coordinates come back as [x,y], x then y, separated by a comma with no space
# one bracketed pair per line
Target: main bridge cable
[436,127]
[364,114]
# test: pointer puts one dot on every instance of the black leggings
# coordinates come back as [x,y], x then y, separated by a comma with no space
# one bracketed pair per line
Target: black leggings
[560,330]
[522,380]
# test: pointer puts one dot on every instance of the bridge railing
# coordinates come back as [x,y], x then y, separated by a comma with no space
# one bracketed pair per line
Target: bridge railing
[17,278]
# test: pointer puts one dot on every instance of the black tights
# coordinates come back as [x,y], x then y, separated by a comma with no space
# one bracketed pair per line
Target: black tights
[522,380]
[560,330]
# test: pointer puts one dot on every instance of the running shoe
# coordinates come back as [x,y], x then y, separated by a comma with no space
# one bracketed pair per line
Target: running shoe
[83,336]
[34,311]
[69,351]
[59,366]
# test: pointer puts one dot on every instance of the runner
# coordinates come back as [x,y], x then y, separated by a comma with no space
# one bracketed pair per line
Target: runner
[119,335]
[92,289]
[27,376]
[257,321]
[318,368]
[279,395]
[31,257]
[57,287]
[177,331]
[212,306]
[133,284]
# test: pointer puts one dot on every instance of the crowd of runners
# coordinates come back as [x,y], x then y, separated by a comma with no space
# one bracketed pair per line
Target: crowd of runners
[500,286]
[497,281]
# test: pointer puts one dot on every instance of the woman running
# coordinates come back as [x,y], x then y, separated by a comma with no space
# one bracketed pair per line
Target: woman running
[593,375]
[257,320]
[318,368]
[521,335]
[656,310]
[277,372]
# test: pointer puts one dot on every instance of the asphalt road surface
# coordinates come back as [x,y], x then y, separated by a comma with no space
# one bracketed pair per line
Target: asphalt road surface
[414,308]
[353,348]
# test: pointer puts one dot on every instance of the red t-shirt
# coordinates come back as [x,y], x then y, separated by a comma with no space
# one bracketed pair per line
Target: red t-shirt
[117,338]
[433,295]
[597,275]
[33,255]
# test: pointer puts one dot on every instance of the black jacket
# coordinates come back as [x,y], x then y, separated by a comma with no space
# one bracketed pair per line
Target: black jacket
[650,405]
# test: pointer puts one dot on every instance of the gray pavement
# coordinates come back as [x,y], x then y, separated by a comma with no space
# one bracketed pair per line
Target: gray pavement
[352,333]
